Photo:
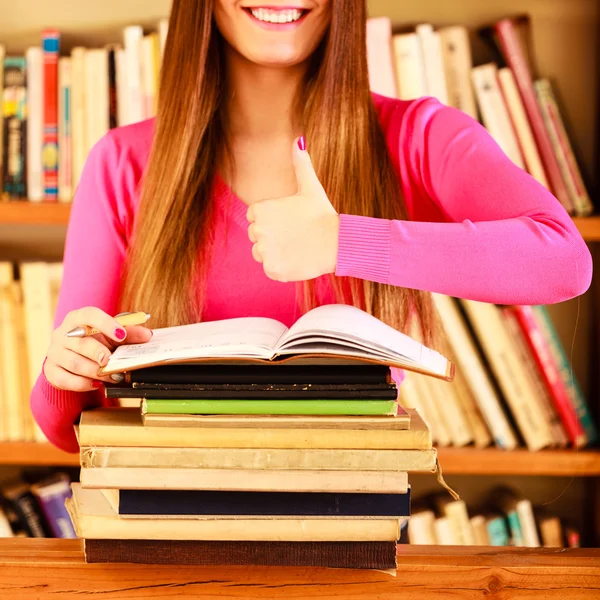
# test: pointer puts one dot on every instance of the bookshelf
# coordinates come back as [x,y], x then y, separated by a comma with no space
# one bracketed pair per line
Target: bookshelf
[565,43]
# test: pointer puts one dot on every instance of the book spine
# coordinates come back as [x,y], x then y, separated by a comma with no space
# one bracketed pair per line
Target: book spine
[513,53]
[433,61]
[345,555]
[272,407]
[540,350]
[514,526]
[563,149]
[421,528]
[527,522]
[544,322]
[2,57]
[410,69]
[122,87]
[450,409]
[35,124]
[113,109]
[5,528]
[28,511]
[65,161]
[498,532]
[379,57]
[133,40]
[78,114]
[51,48]
[163,32]
[14,165]
[52,502]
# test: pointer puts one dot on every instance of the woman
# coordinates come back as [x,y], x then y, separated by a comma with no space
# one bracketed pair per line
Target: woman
[215,210]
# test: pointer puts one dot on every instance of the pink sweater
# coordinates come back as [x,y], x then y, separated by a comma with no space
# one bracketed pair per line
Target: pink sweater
[481,228]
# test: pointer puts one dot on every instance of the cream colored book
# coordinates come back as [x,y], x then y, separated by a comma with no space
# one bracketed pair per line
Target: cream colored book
[124,427]
[96,96]
[433,60]
[65,129]
[451,410]
[528,526]
[520,121]
[122,89]
[433,408]
[12,425]
[494,111]
[379,56]
[458,517]
[458,62]
[421,528]
[513,379]
[35,123]
[409,66]
[334,332]
[163,32]
[480,533]
[94,518]
[133,36]
[79,143]
[551,532]
[258,458]
[472,368]
[244,480]
[444,532]
[150,58]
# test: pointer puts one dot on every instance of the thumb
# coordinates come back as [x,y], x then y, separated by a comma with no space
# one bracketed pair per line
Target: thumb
[305,173]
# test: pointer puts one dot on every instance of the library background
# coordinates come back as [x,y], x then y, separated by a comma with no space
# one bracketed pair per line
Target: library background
[521,483]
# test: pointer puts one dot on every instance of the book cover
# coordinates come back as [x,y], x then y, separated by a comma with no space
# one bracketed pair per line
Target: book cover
[179,503]
[269,407]
[342,555]
[14,165]
[35,123]
[51,495]
[51,48]
[65,160]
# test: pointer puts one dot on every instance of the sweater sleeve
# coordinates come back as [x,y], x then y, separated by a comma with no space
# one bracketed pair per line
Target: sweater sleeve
[506,239]
[94,253]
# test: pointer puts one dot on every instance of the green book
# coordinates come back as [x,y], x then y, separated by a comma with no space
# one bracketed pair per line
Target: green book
[269,407]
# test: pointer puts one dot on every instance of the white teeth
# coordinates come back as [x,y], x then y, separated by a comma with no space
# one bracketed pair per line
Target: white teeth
[276,16]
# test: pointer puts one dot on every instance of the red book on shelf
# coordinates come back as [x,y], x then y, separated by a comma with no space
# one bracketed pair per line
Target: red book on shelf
[510,45]
[51,46]
[549,370]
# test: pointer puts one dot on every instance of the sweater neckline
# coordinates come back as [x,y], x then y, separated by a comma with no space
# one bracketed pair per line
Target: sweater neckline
[232,205]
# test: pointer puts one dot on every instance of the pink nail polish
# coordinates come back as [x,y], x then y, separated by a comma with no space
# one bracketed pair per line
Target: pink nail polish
[120,334]
[302,143]
[97,384]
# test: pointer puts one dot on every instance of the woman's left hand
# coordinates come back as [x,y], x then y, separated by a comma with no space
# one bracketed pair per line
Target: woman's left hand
[296,237]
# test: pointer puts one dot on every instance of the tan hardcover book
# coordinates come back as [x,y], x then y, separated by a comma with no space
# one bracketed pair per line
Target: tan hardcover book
[458,62]
[458,516]
[480,533]
[444,532]
[244,480]
[259,458]
[563,149]
[150,59]
[481,434]
[409,66]
[29,426]
[11,392]
[451,410]
[542,398]
[94,518]
[494,111]
[97,108]
[124,427]
[551,532]
[435,75]
[428,393]
[511,374]
[421,528]
[79,143]
[520,121]
[472,368]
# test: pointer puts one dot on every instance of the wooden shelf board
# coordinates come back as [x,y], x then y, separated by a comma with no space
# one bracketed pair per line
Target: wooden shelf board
[34,454]
[589,227]
[34,213]
[491,461]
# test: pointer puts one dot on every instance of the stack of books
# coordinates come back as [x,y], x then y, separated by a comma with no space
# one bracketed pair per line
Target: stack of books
[250,443]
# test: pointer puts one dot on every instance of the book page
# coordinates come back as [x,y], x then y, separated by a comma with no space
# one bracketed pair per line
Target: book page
[254,337]
[346,323]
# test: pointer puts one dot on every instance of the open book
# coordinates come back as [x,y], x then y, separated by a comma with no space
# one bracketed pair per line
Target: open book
[334,333]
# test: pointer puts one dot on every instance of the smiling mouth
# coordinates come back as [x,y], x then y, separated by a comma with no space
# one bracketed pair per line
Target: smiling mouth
[277,16]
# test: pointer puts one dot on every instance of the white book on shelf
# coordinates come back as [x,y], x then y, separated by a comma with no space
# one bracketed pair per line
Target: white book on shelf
[480,533]
[421,528]
[449,406]
[520,121]
[65,161]
[472,368]
[382,79]
[122,87]
[434,62]
[438,423]
[444,532]
[410,68]
[494,111]
[35,123]
[458,515]
[133,51]
[96,95]
[528,526]
[458,62]
[510,373]
[79,144]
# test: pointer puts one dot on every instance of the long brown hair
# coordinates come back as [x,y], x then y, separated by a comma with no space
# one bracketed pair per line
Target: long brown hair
[169,253]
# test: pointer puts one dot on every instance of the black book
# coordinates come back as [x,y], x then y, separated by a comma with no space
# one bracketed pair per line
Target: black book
[193,391]
[25,506]
[193,502]
[262,374]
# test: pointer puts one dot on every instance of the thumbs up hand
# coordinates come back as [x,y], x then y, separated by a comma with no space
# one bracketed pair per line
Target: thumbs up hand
[296,237]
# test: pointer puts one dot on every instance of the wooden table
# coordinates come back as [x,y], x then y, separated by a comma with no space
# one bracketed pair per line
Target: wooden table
[44,569]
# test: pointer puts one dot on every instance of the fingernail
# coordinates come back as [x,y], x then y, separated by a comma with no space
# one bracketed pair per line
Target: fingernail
[120,334]
[118,377]
[97,384]
[302,143]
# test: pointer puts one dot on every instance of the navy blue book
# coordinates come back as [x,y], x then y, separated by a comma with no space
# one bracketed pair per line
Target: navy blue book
[300,504]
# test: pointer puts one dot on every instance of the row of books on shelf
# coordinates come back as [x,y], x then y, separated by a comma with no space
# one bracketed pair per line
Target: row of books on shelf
[508,519]
[36,509]
[56,108]
[519,110]
[514,384]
